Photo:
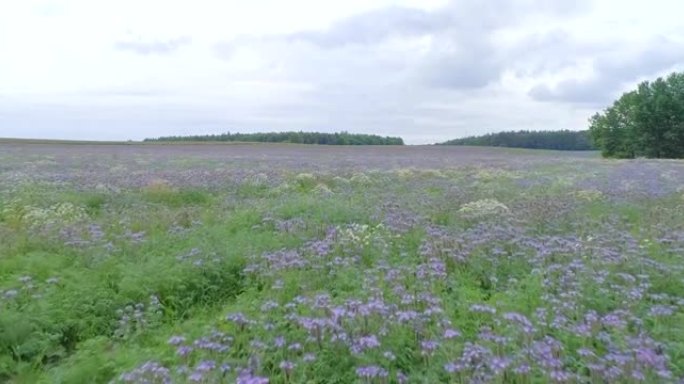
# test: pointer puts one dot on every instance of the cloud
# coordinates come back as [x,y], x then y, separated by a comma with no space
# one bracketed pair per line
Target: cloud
[464,18]
[612,71]
[427,73]
[376,26]
[158,47]
[451,47]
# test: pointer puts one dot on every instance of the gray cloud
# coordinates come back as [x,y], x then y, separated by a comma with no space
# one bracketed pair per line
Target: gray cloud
[612,71]
[153,47]
[466,68]
[461,53]
[466,19]
[376,26]
[547,52]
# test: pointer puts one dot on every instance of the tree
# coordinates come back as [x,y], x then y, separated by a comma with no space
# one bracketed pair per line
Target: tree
[646,122]
[559,140]
[341,138]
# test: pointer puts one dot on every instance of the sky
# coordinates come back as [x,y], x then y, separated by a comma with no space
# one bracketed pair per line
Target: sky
[425,70]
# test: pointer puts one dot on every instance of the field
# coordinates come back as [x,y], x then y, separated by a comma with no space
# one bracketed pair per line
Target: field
[307,264]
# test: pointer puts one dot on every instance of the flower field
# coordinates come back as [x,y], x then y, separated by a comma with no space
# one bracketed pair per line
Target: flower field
[300,264]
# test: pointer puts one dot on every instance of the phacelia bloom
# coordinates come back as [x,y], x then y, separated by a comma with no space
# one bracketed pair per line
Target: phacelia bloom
[451,367]
[176,340]
[428,347]
[371,372]
[482,308]
[451,333]
[184,351]
[287,366]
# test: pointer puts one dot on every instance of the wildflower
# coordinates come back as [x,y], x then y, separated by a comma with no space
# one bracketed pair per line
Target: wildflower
[428,347]
[205,366]
[176,340]
[184,351]
[364,343]
[451,367]
[279,342]
[25,279]
[287,366]
[482,308]
[371,372]
[451,333]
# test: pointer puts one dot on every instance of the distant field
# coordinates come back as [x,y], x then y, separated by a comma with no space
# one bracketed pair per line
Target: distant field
[91,142]
[253,263]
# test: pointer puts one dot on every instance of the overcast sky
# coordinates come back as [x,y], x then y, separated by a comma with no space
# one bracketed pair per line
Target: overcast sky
[425,70]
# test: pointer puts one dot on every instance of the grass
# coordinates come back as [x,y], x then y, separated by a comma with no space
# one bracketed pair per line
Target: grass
[560,281]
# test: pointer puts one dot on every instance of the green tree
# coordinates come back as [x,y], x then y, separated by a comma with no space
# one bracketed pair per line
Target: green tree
[338,138]
[648,121]
[559,140]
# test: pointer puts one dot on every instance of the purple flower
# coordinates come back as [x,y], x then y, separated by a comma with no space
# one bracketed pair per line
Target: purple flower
[205,366]
[176,340]
[522,369]
[279,342]
[246,377]
[196,377]
[238,318]
[25,279]
[451,367]
[521,320]
[428,347]
[662,310]
[499,364]
[584,352]
[371,372]
[287,366]
[184,351]
[451,333]
[482,308]
[268,306]
[560,376]
[149,372]
[365,343]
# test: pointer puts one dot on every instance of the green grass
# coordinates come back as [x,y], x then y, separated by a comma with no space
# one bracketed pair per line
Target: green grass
[189,248]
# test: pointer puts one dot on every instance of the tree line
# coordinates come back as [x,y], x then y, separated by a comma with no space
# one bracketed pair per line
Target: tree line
[645,122]
[559,140]
[338,138]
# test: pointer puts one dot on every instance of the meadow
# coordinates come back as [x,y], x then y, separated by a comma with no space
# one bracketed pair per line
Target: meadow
[309,264]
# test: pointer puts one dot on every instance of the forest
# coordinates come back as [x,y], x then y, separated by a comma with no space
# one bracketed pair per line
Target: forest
[338,138]
[559,140]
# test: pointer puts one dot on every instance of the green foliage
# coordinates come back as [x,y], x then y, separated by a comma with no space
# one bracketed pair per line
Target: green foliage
[178,259]
[646,122]
[559,140]
[338,138]
[163,194]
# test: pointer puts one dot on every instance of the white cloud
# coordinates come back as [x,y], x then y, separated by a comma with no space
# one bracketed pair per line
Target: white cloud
[425,70]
